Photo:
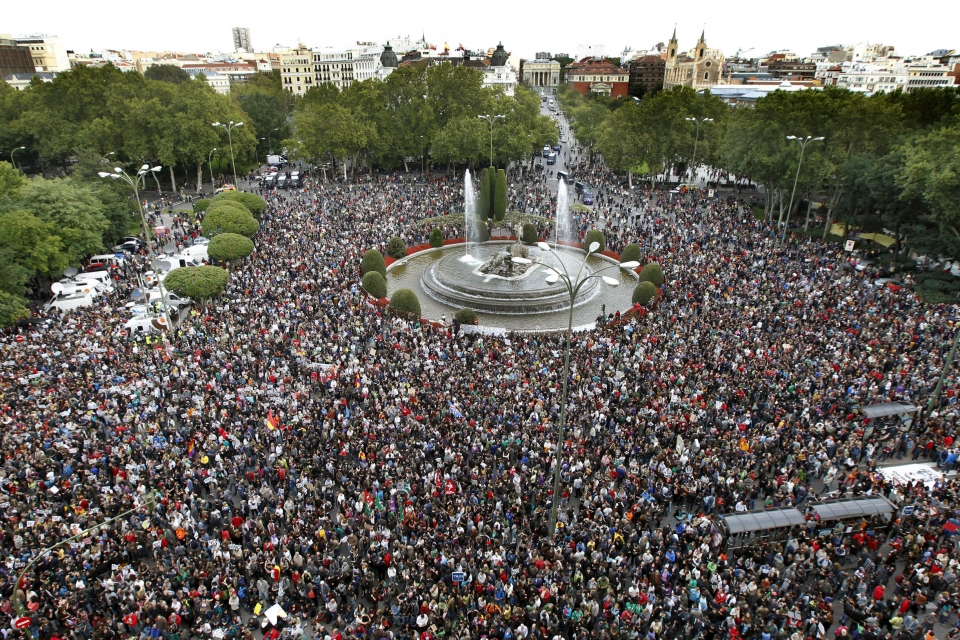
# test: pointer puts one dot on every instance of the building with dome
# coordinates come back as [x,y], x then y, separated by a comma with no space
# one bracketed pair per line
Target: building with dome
[500,73]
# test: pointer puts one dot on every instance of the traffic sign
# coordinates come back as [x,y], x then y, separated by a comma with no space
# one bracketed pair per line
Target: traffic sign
[123,333]
[21,623]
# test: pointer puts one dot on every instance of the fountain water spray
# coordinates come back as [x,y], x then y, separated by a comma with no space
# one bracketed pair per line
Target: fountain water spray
[469,218]
[564,221]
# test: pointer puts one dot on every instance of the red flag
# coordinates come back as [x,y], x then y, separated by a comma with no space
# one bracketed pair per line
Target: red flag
[436,479]
[272,422]
[451,488]
[949,526]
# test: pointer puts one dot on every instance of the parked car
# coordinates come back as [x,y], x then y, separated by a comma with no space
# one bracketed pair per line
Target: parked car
[552,158]
[141,325]
[173,300]
[294,179]
[588,196]
[282,181]
[226,187]
[546,150]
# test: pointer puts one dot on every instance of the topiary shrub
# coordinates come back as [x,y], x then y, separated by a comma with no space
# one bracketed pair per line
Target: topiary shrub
[436,238]
[405,301]
[465,315]
[644,293]
[251,201]
[372,260]
[500,196]
[228,247]
[594,235]
[631,253]
[374,284]
[229,218]
[528,235]
[199,283]
[396,248]
[201,205]
[483,233]
[652,272]
[486,195]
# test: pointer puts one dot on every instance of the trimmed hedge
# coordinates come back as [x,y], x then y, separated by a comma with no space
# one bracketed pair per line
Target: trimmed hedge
[396,248]
[436,238]
[500,196]
[595,235]
[372,260]
[229,247]
[465,315]
[251,201]
[201,205]
[483,233]
[644,293]
[374,284]
[405,301]
[229,218]
[199,283]
[486,195]
[631,253]
[652,272]
[528,235]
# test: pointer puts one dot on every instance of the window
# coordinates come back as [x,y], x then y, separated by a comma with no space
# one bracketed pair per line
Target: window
[706,76]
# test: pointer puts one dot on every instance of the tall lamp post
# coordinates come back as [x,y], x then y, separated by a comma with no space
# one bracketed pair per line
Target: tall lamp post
[490,119]
[210,164]
[696,140]
[134,182]
[149,503]
[230,127]
[13,151]
[573,285]
[803,147]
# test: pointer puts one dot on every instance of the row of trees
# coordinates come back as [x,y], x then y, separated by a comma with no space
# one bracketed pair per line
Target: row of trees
[885,161]
[431,114]
[122,118]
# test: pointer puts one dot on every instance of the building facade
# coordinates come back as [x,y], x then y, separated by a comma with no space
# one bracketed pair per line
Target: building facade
[699,68]
[296,70]
[647,72]
[598,76]
[47,53]
[542,75]
[14,58]
[792,69]
[500,73]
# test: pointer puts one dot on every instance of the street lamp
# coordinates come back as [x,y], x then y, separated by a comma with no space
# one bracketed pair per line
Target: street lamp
[230,127]
[696,140]
[13,151]
[490,119]
[210,164]
[134,182]
[573,286]
[803,147]
[256,155]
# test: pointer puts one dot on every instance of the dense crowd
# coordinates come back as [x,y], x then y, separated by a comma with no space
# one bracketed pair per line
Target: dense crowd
[378,477]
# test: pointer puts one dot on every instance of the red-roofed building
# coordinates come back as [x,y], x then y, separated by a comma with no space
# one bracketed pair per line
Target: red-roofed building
[598,76]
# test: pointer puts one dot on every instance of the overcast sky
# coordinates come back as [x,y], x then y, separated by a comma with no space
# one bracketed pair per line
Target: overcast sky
[524,27]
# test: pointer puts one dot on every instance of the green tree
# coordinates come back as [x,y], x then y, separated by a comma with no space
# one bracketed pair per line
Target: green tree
[228,218]
[166,73]
[486,195]
[406,302]
[72,209]
[330,132]
[644,293]
[462,139]
[500,196]
[230,247]
[652,273]
[374,284]
[595,235]
[253,203]
[12,308]
[372,260]
[396,248]
[931,173]
[466,315]
[199,283]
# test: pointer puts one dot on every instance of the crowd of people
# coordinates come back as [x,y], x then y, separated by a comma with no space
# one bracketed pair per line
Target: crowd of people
[293,445]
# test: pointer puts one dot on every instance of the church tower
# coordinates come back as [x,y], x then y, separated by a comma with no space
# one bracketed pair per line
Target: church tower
[701,45]
[672,46]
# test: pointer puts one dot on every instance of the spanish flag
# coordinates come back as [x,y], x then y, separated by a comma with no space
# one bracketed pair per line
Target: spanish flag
[190,449]
[272,422]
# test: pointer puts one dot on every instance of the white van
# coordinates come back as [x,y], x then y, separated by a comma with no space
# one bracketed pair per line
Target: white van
[108,258]
[196,252]
[98,276]
[77,287]
[69,303]
[173,300]
[169,263]
[141,325]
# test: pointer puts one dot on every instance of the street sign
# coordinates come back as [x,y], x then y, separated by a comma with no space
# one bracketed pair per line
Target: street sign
[457,576]
[123,333]
[849,244]
[21,623]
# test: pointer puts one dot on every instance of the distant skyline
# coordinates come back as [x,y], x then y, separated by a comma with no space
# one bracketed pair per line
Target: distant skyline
[523,28]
